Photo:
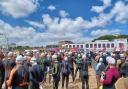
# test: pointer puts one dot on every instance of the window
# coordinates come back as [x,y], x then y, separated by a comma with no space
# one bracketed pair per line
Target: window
[91,45]
[66,46]
[87,46]
[103,45]
[112,45]
[121,45]
[99,45]
[70,46]
[73,46]
[95,45]
[108,45]
[77,46]
[81,46]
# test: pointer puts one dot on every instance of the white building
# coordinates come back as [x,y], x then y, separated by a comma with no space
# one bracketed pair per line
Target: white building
[100,45]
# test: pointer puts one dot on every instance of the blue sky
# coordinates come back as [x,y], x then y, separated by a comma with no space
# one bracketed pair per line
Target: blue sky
[42,22]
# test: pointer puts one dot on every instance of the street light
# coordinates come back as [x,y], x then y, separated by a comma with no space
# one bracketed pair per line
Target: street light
[6,38]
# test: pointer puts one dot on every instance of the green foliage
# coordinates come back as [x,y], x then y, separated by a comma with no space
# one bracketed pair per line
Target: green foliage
[111,37]
[19,48]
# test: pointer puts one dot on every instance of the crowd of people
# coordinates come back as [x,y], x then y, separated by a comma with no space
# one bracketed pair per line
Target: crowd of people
[29,70]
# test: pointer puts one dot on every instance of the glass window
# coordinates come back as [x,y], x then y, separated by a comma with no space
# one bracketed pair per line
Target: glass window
[112,45]
[121,45]
[66,46]
[95,45]
[73,46]
[77,46]
[104,46]
[99,45]
[81,46]
[70,46]
[91,45]
[108,45]
[87,46]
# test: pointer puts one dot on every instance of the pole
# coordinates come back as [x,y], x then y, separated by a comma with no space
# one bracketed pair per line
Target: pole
[6,38]
[7,41]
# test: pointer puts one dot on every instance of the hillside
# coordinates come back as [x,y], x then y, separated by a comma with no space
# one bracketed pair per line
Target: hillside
[111,37]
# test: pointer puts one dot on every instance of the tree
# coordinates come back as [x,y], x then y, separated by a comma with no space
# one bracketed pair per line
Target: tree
[111,37]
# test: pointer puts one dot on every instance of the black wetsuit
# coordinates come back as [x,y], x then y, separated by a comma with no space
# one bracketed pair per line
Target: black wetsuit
[36,76]
[84,74]
[8,66]
[56,75]
[65,73]
[21,78]
[2,73]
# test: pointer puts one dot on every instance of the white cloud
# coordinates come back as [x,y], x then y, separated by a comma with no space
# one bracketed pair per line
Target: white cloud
[100,9]
[18,8]
[102,32]
[36,24]
[55,32]
[63,13]
[51,7]
[120,11]
[67,28]
[64,28]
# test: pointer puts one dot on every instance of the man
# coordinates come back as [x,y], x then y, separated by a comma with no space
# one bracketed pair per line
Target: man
[56,72]
[49,68]
[100,67]
[44,63]
[104,56]
[71,62]
[78,63]
[84,72]
[59,57]
[65,72]
[8,63]
[89,59]
[28,56]
[122,83]
[19,76]
[124,69]
[2,72]
[36,74]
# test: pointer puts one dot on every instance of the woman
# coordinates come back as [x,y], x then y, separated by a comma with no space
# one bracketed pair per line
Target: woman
[111,75]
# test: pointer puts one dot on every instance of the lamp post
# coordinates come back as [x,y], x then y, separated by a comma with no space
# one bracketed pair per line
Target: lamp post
[6,38]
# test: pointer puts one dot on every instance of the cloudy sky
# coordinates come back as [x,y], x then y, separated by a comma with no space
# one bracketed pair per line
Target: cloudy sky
[41,22]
